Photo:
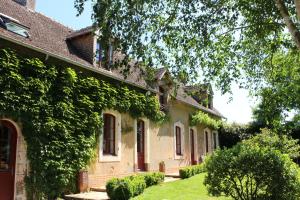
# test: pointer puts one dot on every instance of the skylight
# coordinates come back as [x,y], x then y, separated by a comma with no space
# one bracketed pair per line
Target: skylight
[13,26]
[16,28]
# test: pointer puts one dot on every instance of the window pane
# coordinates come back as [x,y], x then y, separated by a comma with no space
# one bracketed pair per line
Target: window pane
[13,27]
[109,134]
[100,53]
[5,141]
[178,140]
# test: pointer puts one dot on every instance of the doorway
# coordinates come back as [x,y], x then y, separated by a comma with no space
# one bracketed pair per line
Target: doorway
[192,138]
[8,143]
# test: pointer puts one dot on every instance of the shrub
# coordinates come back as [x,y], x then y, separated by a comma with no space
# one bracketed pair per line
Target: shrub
[282,143]
[190,171]
[251,172]
[131,186]
[153,178]
[125,188]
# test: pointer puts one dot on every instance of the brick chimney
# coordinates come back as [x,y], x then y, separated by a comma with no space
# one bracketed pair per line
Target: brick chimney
[30,4]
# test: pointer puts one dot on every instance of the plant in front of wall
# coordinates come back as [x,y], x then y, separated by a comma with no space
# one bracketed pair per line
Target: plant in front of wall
[202,118]
[60,112]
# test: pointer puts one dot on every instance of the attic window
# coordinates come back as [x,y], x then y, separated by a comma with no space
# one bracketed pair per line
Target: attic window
[103,54]
[13,26]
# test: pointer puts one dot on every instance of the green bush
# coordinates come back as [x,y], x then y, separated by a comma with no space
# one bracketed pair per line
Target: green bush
[248,171]
[190,171]
[153,178]
[131,186]
[125,188]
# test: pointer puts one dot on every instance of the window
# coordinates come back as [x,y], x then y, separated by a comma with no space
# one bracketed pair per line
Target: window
[101,53]
[216,142]
[109,134]
[206,142]
[178,141]
[13,26]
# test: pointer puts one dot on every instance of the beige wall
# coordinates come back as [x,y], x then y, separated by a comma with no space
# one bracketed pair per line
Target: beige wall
[161,147]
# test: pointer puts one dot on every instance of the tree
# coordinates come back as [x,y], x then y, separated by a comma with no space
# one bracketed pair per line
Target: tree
[220,40]
[250,171]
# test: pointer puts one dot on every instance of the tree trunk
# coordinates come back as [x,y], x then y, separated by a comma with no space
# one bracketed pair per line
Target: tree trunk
[297,4]
[288,21]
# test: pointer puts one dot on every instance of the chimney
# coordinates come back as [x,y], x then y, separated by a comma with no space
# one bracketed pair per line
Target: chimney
[29,4]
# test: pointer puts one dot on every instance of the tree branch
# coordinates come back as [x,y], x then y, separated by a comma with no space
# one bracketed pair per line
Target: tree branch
[288,21]
[248,26]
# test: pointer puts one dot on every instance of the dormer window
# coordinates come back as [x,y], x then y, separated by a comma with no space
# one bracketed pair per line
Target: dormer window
[103,54]
[13,26]
[100,53]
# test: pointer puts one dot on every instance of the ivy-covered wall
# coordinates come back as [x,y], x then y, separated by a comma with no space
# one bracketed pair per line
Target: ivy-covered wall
[60,111]
[200,117]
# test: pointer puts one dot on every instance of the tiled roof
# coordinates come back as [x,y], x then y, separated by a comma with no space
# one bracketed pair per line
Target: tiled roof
[51,37]
[182,96]
[82,31]
[160,73]
[45,33]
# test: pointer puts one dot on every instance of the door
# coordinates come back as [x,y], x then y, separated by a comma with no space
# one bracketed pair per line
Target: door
[8,141]
[141,145]
[193,161]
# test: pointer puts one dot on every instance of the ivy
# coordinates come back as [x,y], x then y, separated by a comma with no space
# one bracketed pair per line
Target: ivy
[204,119]
[60,112]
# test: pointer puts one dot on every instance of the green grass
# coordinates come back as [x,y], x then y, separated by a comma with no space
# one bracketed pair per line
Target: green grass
[188,189]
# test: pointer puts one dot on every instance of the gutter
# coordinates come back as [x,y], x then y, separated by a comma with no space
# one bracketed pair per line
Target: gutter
[47,53]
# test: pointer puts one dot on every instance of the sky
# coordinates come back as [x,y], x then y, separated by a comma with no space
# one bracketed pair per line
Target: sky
[238,110]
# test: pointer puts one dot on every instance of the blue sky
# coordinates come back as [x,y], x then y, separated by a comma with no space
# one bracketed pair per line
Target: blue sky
[63,11]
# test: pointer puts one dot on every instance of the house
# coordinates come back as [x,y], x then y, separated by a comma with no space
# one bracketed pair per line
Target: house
[144,147]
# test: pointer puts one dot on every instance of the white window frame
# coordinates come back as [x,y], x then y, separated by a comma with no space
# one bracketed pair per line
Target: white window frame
[147,141]
[181,126]
[195,142]
[117,157]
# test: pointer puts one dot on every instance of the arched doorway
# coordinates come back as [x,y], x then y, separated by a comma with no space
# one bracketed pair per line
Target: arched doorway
[8,143]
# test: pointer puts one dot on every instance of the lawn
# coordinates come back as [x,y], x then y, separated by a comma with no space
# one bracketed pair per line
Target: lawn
[188,189]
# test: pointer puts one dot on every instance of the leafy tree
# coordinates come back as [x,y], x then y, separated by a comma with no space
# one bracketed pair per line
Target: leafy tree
[273,141]
[282,93]
[231,134]
[220,40]
[248,171]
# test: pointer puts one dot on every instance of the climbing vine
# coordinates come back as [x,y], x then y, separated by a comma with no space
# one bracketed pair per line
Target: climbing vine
[203,118]
[60,109]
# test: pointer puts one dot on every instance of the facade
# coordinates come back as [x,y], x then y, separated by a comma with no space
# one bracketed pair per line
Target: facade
[126,145]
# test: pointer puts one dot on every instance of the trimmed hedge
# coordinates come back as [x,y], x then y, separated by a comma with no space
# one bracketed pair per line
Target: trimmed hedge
[190,171]
[153,178]
[131,186]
